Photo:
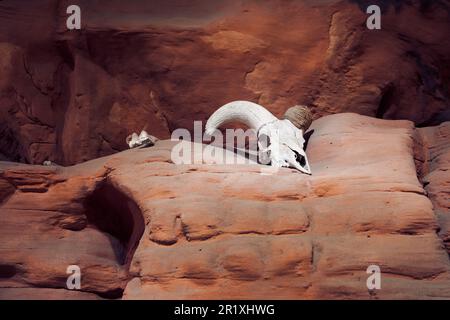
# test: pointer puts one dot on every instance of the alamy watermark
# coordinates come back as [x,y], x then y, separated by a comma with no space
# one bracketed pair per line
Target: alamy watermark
[74,280]
[73,22]
[237,146]
[374,280]
[373,22]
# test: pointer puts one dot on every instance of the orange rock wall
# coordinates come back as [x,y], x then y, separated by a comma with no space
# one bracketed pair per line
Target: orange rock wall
[71,96]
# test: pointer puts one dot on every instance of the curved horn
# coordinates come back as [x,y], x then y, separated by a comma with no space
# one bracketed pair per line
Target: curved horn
[246,112]
[300,116]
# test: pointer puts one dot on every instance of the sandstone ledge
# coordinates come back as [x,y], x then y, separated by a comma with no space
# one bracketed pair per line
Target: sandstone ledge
[141,227]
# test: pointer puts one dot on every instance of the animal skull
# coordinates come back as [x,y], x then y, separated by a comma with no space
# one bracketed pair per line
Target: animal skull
[280,142]
[143,139]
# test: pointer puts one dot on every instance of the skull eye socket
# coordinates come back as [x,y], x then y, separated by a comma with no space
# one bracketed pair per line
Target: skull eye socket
[300,159]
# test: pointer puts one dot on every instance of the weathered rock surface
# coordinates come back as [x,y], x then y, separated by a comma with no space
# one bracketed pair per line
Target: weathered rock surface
[48,223]
[234,231]
[433,158]
[71,96]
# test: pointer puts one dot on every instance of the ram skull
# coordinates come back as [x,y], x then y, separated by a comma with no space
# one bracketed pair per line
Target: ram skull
[280,142]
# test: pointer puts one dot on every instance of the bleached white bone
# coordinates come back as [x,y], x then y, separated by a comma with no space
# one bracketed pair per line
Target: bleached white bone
[143,139]
[285,140]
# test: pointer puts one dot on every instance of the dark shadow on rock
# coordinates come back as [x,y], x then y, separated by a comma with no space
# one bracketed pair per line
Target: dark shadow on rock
[436,120]
[7,271]
[111,211]
[307,136]
[386,101]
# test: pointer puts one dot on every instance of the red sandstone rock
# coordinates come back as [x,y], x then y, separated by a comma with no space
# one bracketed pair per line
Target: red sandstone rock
[74,96]
[433,157]
[228,231]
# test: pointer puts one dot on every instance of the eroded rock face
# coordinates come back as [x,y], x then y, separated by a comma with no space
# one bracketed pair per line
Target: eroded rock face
[233,231]
[74,96]
[53,218]
[433,159]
